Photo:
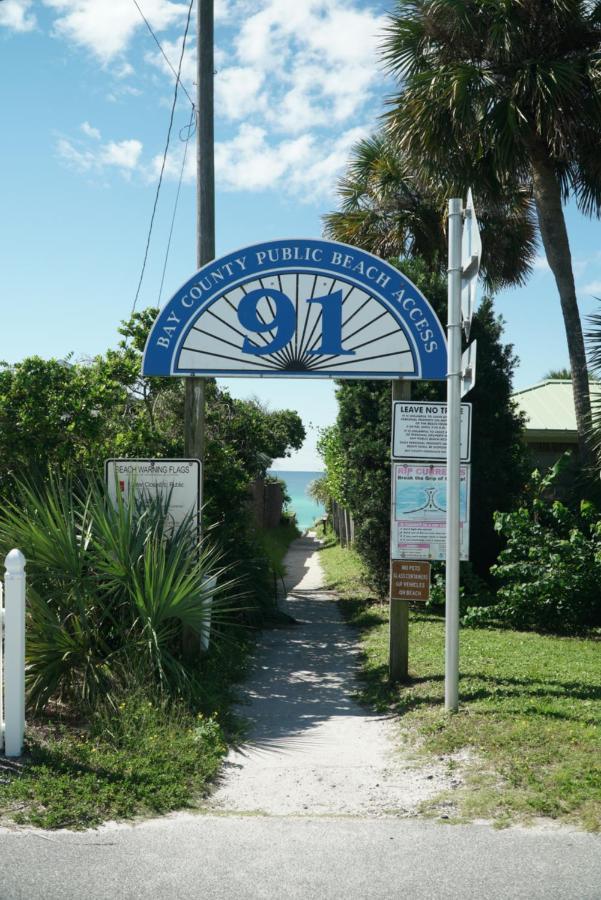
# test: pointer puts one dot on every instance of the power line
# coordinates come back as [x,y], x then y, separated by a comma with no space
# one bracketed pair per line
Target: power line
[179,187]
[165,153]
[165,57]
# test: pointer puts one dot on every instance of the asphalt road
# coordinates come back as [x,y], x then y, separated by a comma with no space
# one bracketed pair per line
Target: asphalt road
[311,748]
[268,857]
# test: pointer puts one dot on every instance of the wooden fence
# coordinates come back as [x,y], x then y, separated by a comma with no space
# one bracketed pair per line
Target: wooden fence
[343,525]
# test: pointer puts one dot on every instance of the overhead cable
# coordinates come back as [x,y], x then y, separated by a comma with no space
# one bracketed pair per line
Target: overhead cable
[164,162]
[190,129]
[165,57]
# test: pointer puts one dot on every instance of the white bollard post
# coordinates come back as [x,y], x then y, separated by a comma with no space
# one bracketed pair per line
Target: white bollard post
[14,653]
[1,665]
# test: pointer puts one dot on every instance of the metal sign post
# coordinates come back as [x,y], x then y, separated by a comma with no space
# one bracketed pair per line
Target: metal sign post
[453,457]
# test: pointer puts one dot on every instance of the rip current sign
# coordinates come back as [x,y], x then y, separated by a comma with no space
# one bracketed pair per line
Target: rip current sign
[419,511]
[300,308]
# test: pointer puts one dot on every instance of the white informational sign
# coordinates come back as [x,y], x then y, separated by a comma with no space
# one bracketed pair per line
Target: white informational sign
[468,368]
[419,431]
[419,498]
[178,480]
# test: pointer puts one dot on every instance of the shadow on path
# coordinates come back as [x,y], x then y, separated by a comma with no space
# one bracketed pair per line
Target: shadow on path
[310,746]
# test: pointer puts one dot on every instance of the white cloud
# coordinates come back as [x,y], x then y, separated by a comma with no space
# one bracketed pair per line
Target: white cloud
[124,70]
[302,166]
[105,27]
[14,14]
[121,155]
[293,78]
[249,162]
[238,91]
[90,131]
[83,160]
[321,176]
[173,50]
[314,63]
[289,68]
[593,287]
[540,264]
[223,10]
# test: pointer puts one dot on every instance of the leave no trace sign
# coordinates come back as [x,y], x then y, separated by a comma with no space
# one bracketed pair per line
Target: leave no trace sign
[409,580]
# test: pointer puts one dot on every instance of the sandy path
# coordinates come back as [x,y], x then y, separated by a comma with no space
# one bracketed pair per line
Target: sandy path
[311,749]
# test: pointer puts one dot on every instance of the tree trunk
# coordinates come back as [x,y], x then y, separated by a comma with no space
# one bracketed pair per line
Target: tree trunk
[547,196]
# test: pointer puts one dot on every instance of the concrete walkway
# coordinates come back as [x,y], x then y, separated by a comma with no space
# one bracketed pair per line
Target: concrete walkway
[311,749]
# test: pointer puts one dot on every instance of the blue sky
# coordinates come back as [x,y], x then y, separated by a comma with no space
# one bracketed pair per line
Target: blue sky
[84,106]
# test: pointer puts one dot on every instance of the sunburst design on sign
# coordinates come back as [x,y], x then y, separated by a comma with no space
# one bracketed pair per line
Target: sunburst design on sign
[307,323]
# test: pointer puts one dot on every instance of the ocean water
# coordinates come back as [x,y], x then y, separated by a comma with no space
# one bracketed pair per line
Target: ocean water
[306,509]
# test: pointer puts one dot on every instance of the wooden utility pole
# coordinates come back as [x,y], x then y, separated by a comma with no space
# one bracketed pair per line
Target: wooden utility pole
[194,402]
[399,609]
[194,407]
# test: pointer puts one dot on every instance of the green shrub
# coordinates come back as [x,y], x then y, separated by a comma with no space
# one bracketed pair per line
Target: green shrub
[110,589]
[473,590]
[550,569]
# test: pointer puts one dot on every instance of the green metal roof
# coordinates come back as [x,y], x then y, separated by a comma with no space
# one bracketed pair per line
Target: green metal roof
[549,409]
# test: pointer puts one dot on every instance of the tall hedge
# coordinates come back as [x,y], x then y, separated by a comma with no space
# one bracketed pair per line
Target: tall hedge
[499,456]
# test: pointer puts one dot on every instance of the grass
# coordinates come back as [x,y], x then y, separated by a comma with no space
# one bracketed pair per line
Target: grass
[530,707]
[144,758]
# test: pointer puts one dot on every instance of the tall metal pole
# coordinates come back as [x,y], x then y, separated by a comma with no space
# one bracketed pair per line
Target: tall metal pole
[194,409]
[451,688]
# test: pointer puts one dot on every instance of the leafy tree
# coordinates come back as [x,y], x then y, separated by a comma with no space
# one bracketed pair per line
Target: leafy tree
[331,448]
[491,91]
[68,417]
[394,208]
[74,414]
[362,440]
[558,375]
[550,568]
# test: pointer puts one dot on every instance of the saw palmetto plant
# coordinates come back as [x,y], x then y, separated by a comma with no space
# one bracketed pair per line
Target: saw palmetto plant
[110,590]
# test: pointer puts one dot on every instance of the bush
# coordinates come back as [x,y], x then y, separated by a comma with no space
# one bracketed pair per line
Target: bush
[356,451]
[110,590]
[473,590]
[550,569]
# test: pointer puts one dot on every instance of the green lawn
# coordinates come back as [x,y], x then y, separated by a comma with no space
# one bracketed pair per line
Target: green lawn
[530,713]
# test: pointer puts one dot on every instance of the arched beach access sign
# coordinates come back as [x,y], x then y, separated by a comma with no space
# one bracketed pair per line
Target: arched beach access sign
[298,308]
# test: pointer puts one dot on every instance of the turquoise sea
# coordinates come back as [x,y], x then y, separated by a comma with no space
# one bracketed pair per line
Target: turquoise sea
[306,509]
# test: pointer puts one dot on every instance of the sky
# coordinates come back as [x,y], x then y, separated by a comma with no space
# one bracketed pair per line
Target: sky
[85,98]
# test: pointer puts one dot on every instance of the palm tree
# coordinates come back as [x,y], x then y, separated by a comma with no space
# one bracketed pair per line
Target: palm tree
[391,208]
[385,208]
[517,84]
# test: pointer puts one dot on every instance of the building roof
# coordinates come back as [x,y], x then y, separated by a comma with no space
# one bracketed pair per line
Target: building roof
[549,409]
